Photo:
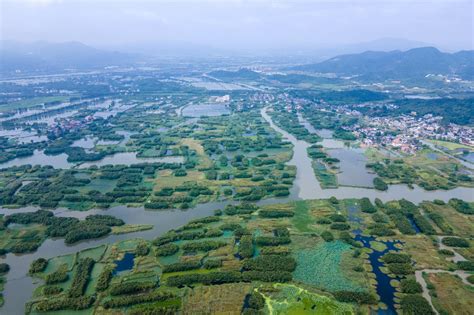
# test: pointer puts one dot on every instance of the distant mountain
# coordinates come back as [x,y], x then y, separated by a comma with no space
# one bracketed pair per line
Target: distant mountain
[414,63]
[45,56]
[383,44]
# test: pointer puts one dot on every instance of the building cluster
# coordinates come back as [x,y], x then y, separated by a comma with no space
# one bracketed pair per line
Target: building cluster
[405,131]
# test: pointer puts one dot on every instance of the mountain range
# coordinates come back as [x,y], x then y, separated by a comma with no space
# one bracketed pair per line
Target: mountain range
[45,56]
[42,56]
[414,63]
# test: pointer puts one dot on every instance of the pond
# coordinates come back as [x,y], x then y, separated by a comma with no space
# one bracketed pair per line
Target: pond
[352,167]
[468,157]
[126,263]
[85,143]
[39,158]
[22,136]
[198,110]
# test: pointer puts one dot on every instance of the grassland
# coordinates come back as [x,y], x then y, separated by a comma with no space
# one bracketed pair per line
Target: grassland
[450,295]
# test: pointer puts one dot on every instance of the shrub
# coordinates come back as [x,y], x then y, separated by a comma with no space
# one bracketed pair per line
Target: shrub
[446,252]
[455,242]
[423,224]
[381,230]
[440,222]
[379,218]
[337,218]
[380,184]
[57,276]
[275,213]
[86,231]
[81,277]
[104,279]
[367,206]
[270,263]
[128,300]
[402,223]
[81,303]
[142,249]
[180,173]
[104,219]
[207,279]
[38,265]
[324,221]
[167,249]
[267,276]
[355,297]
[400,268]
[212,263]
[204,246]
[461,206]
[52,290]
[181,266]
[256,301]
[470,279]
[410,286]
[131,287]
[327,236]
[246,249]
[466,265]
[340,226]
[415,304]
[390,258]
[4,267]
[244,208]
[272,241]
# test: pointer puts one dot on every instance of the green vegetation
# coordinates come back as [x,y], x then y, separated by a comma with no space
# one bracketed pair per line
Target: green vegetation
[415,304]
[42,224]
[321,267]
[38,265]
[455,242]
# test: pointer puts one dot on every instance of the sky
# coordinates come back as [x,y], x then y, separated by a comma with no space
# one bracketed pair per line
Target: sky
[239,24]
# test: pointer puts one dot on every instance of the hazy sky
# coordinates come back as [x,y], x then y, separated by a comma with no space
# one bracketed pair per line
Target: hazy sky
[233,24]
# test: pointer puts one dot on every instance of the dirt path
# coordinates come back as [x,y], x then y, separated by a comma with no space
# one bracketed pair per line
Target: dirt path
[460,273]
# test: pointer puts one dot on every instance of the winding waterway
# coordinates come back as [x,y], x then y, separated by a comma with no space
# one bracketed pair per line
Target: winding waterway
[307,186]
[19,286]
